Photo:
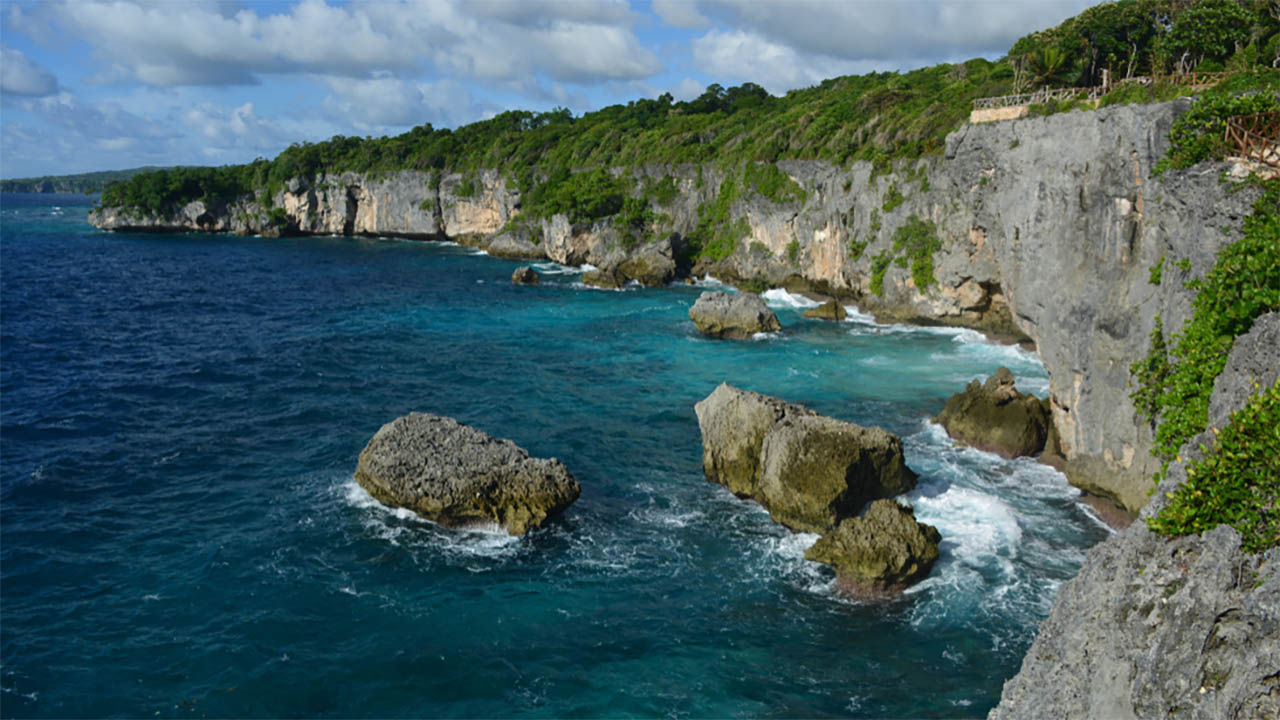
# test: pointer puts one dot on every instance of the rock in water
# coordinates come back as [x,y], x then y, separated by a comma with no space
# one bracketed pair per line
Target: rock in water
[880,552]
[809,471]
[737,316]
[816,470]
[525,275]
[606,278]
[651,265]
[459,476]
[829,310]
[995,417]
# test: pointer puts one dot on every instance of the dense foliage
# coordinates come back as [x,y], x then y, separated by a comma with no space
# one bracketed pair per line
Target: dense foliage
[1150,37]
[86,183]
[1238,481]
[1176,378]
[1201,131]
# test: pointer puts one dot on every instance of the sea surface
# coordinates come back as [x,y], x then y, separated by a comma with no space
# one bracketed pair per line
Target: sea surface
[180,534]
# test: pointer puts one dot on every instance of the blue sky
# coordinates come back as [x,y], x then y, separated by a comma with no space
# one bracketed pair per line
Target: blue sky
[107,84]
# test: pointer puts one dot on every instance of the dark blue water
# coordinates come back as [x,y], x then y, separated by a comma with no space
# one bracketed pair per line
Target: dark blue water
[180,534]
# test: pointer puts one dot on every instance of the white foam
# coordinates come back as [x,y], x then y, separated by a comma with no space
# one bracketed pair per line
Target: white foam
[708,281]
[555,268]
[403,527]
[779,298]
[761,336]
[853,313]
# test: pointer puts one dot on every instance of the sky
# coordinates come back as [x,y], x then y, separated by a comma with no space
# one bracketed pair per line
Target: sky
[110,84]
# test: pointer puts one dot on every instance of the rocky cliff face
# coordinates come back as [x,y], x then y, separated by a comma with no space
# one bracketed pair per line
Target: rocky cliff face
[1045,229]
[1154,628]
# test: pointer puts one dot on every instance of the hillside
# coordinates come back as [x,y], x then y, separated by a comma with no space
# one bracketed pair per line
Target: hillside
[83,183]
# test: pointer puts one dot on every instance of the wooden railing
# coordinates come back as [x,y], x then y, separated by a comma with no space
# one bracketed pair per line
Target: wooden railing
[1195,80]
[1257,136]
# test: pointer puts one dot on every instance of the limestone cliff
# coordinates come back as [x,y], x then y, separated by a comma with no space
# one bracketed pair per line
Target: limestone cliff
[1043,229]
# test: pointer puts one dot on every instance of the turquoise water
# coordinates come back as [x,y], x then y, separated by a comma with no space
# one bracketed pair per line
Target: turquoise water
[180,534]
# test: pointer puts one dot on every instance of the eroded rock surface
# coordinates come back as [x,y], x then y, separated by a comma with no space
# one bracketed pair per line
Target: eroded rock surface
[995,417]
[460,476]
[881,552]
[525,275]
[809,471]
[829,310]
[732,315]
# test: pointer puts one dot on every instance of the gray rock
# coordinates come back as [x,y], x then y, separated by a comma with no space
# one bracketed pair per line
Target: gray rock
[459,476]
[829,310]
[809,471]
[607,278]
[1153,628]
[1254,364]
[733,424]
[881,552]
[816,470]
[652,265]
[514,246]
[525,275]
[995,417]
[732,315]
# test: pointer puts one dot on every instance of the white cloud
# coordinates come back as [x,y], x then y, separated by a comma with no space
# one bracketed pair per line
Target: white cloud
[888,31]
[20,76]
[747,56]
[680,13]
[688,89]
[388,102]
[199,43]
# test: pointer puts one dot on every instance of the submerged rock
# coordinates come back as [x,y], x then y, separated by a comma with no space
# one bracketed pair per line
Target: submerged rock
[809,471]
[880,552]
[737,316]
[460,476]
[525,275]
[829,310]
[995,417]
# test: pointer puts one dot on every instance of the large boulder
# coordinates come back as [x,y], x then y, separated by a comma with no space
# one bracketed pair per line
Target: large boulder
[515,245]
[733,423]
[829,310]
[732,315]
[880,552]
[460,476]
[809,471]
[652,265]
[995,417]
[815,470]
[606,278]
[525,275]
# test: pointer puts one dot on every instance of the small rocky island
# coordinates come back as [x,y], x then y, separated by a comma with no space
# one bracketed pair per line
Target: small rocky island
[815,474]
[732,315]
[995,417]
[459,476]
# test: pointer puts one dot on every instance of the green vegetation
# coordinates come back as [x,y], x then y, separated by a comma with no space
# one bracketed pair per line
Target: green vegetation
[893,198]
[919,239]
[772,183]
[1156,273]
[856,247]
[793,251]
[1237,482]
[1201,131]
[579,165]
[1243,284]
[1148,37]
[85,183]
[879,264]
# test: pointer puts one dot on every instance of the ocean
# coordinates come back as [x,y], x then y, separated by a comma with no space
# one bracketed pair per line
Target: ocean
[181,536]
